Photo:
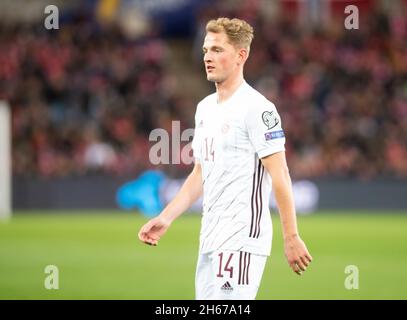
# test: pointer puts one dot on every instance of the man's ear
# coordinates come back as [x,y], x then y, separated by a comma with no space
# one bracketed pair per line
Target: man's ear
[243,54]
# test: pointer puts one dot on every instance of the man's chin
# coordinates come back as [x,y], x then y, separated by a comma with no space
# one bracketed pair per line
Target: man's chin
[212,78]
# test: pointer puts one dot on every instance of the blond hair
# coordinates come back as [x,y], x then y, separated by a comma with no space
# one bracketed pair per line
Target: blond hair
[238,31]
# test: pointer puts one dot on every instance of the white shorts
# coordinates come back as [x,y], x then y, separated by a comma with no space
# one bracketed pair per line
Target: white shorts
[224,275]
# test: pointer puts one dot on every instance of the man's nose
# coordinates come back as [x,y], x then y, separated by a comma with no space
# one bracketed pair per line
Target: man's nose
[207,57]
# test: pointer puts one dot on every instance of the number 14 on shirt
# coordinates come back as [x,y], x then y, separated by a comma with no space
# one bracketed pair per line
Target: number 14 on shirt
[209,150]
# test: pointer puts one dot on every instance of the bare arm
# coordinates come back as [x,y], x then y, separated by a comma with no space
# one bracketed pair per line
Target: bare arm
[295,249]
[190,191]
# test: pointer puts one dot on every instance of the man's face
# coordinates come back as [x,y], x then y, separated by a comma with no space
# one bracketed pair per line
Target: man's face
[221,58]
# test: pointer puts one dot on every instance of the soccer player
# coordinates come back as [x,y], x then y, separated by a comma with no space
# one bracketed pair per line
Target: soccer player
[239,154]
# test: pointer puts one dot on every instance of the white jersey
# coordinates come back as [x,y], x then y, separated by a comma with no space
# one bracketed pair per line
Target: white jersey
[230,138]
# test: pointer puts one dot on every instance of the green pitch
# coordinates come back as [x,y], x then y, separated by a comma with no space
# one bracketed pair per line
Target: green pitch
[99,256]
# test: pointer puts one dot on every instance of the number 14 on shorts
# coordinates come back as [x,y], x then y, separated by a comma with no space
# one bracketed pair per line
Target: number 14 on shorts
[226,268]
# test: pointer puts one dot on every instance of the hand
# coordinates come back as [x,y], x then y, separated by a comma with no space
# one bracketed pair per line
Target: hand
[297,254]
[152,231]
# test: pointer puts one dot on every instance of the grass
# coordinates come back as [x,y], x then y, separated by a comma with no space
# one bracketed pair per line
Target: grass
[99,256]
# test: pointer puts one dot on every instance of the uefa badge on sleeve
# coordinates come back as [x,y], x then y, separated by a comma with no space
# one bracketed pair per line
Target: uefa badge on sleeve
[269,119]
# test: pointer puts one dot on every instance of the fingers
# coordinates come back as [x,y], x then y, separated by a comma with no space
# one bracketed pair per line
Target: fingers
[297,255]
[151,242]
[300,264]
[146,236]
[296,268]
[147,227]
[306,260]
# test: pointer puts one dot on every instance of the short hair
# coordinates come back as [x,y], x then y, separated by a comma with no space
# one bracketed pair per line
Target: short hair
[238,31]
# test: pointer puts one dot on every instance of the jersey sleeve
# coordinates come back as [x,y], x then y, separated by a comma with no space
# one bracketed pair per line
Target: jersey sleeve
[265,129]
[196,141]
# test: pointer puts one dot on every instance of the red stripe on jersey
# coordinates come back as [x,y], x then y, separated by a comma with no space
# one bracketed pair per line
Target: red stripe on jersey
[252,202]
[261,201]
[247,272]
[240,268]
[244,268]
[257,198]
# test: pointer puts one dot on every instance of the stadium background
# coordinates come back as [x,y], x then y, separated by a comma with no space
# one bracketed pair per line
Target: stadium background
[84,99]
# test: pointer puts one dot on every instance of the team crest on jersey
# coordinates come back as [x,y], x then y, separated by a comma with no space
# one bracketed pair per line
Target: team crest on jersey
[269,119]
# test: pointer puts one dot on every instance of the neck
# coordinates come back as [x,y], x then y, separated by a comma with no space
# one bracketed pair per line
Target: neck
[226,88]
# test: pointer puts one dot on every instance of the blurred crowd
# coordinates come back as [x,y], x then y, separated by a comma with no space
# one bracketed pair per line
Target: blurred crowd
[342,96]
[85,98]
